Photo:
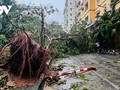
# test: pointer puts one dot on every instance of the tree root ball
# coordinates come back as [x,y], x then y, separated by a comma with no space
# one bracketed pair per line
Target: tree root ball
[27,58]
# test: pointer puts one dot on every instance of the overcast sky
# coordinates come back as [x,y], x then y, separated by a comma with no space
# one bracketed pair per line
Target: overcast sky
[59,4]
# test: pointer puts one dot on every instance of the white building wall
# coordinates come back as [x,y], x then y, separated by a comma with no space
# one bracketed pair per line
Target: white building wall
[69,15]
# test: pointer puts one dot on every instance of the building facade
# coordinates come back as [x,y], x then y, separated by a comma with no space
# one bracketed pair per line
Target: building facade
[118,5]
[101,5]
[77,11]
[69,15]
[87,10]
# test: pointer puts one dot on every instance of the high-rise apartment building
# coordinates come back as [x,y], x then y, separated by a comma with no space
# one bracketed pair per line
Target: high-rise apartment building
[77,11]
[69,15]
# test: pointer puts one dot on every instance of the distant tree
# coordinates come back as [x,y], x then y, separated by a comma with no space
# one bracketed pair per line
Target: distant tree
[30,17]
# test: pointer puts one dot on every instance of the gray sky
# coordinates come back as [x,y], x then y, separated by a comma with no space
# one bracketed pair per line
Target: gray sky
[59,4]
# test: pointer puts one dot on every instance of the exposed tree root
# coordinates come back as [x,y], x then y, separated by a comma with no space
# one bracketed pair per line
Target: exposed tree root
[27,58]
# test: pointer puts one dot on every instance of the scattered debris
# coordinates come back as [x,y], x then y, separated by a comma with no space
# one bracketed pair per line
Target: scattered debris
[61,82]
[81,76]
[108,76]
[3,80]
[111,51]
[117,62]
[74,86]
[84,88]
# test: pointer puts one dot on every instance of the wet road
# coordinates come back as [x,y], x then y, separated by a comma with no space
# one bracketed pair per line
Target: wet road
[107,76]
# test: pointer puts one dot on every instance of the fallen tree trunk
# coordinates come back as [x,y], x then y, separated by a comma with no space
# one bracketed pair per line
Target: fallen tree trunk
[27,58]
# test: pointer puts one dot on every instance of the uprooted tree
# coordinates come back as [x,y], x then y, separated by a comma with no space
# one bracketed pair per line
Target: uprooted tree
[27,58]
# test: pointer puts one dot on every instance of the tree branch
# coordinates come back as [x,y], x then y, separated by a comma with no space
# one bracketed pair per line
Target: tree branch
[55,38]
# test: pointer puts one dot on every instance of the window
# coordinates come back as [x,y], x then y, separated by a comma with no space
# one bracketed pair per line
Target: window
[82,8]
[97,13]
[79,14]
[70,9]
[98,1]
[79,3]
[105,6]
[70,14]
[86,19]
[86,6]
[71,25]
